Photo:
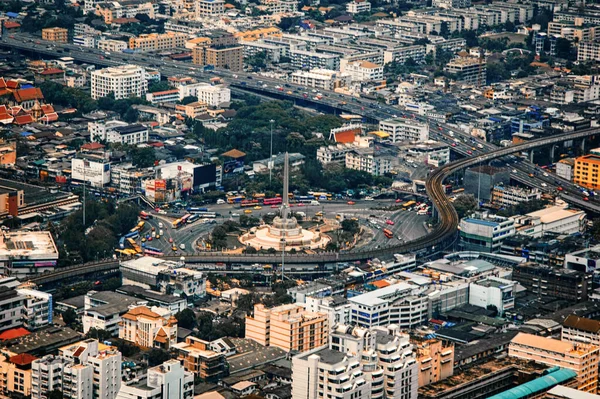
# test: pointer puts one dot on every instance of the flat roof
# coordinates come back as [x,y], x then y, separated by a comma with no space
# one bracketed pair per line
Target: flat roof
[375,297]
[561,391]
[148,264]
[32,244]
[547,344]
[554,213]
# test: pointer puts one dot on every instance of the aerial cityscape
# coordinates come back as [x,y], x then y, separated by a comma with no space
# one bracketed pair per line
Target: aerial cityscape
[314,199]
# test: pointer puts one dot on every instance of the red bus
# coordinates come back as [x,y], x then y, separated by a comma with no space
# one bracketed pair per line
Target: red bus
[248,203]
[185,218]
[273,201]
[144,215]
[388,233]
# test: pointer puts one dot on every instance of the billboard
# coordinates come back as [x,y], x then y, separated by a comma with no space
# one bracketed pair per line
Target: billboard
[47,263]
[205,175]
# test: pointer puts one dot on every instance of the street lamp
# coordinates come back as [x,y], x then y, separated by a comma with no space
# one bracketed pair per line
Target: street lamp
[271,157]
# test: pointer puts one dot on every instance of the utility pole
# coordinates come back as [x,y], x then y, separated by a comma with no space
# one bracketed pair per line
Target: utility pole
[84,184]
[271,156]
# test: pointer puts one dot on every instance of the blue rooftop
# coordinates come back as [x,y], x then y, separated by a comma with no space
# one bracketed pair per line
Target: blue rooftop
[482,222]
[12,14]
[538,385]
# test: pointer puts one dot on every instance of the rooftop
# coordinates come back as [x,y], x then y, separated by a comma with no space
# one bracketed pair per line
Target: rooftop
[43,341]
[548,344]
[582,323]
[33,244]
[377,297]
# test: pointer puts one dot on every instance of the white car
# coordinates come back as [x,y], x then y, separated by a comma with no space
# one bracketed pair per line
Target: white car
[369,199]
[235,215]
[545,174]
[220,201]
[514,171]
[544,185]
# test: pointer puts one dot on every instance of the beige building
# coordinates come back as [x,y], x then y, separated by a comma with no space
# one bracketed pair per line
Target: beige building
[198,358]
[60,35]
[226,57]
[581,358]
[15,373]
[148,329]
[435,359]
[112,45]
[209,8]
[158,41]
[289,327]
[581,330]
[192,110]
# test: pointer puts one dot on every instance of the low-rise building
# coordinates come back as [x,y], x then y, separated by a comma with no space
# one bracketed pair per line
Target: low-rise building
[554,219]
[213,95]
[165,381]
[92,169]
[103,310]
[25,254]
[364,71]
[493,292]
[577,329]
[198,359]
[209,8]
[546,282]
[111,45]
[485,233]
[358,6]
[367,160]
[115,131]
[435,359]
[564,168]
[158,41]
[324,79]
[506,196]
[60,35]
[400,129]
[469,70]
[307,60]
[148,329]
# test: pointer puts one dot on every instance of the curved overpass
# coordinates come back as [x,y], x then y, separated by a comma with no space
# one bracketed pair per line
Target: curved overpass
[443,233]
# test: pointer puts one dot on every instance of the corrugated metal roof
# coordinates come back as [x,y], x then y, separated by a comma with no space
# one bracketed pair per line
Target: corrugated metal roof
[538,385]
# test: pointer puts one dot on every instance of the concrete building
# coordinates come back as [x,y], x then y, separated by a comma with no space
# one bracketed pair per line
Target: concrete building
[166,381]
[506,196]
[209,8]
[366,160]
[199,359]
[115,131]
[336,307]
[15,372]
[577,330]
[307,60]
[480,180]
[289,327]
[485,233]
[364,71]
[38,308]
[572,31]
[24,254]
[546,281]
[554,219]
[471,71]
[451,4]
[586,171]
[123,81]
[405,130]
[163,97]
[323,79]
[213,96]
[588,50]
[358,6]
[581,358]
[94,170]
[231,57]
[493,291]
[564,168]
[435,359]
[103,310]
[584,260]
[111,45]
[60,35]
[149,329]
[84,370]
[158,41]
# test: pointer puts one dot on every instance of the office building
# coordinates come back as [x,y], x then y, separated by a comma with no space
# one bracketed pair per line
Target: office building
[405,130]
[199,359]
[468,70]
[554,219]
[226,57]
[358,6]
[480,180]
[577,329]
[289,327]
[493,292]
[123,81]
[84,41]
[93,170]
[25,254]
[166,381]
[550,282]
[209,8]
[506,196]
[85,370]
[60,35]
[111,45]
[485,233]
[364,71]
[581,358]
[149,329]
[114,131]
[158,41]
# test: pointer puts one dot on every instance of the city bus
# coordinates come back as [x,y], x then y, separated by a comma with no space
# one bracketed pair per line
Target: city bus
[258,196]
[134,245]
[248,203]
[139,227]
[322,196]
[145,215]
[235,199]
[177,223]
[196,209]
[408,204]
[388,233]
[185,218]
[193,218]
[273,201]
[205,215]
[153,253]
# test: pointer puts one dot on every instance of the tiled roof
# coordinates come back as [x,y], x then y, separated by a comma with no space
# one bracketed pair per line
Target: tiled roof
[13,333]
[23,119]
[31,93]
[23,359]
[581,323]
[140,311]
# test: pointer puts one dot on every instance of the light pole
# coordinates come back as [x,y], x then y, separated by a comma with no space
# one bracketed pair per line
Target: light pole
[271,156]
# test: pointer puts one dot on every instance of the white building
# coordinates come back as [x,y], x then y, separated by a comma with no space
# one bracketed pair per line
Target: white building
[209,8]
[509,195]
[123,81]
[94,170]
[364,71]
[167,381]
[212,95]
[581,330]
[358,6]
[118,132]
[337,307]
[405,130]
[84,370]
[588,50]
[366,160]
[27,253]
[485,233]
[84,41]
[450,4]
[303,59]
[493,291]
[564,168]
[318,78]
[111,45]
[149,328]
[103,310]
[38,308]
[554,219]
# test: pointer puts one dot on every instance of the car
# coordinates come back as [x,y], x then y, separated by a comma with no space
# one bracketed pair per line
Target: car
[174,248]
[398,201]
[351,203]
[258,207]
[390,222]
[369,199]
[514,171]
[157,236]
[274,206]
[469,152]
[170,240]
[320,214]
[544,185]
[301,204]
[235,215]
[473,148]
[291,205]
[559,188]
[149,238]
[545,174]
[453,144]
[248,211]
[586,199]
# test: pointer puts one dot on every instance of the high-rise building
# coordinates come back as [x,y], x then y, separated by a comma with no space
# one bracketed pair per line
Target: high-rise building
[123,81]
[227,57]
[84,370]
[289,327]
[166,381]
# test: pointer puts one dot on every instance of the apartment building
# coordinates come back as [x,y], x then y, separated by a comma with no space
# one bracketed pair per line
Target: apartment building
[163,97]
[572,31]
[124,9]
[468,70]
[12,308]
[358,6]
[485,233]
[209,8]
[577,329]
[588,50]
[149,329]
[337,153]
[158,41]
[165,381]
[303,59]
[364,71]
[367,160]
[199,359]
[509,195]
[289,327]
[579,357]
[451,4]
[85,370]
[84,41]
[546,281]
[15,374]
[400,129]
[60,35]
[272,51]
[257,34]
[115,131]
[123,81]
[402,54]
[324,79]
[435,359]
[112,45]
[213,96]
[229,57]
[38,308]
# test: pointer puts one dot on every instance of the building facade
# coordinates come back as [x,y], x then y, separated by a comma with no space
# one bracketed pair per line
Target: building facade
[123,81]
[405,130]
[60,35]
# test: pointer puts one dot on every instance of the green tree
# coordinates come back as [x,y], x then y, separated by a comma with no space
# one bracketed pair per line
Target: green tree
[131,115]
[563,48]
[157,357]
[350,226]
[188,100]
[69,317]
[465,204]
[100,335]
[142,157]
[186,319]
[158,86]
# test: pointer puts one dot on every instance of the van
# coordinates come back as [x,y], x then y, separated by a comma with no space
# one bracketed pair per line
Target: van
[160,232]
[220,201]
[160,226]
[314,203]
[182,246]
